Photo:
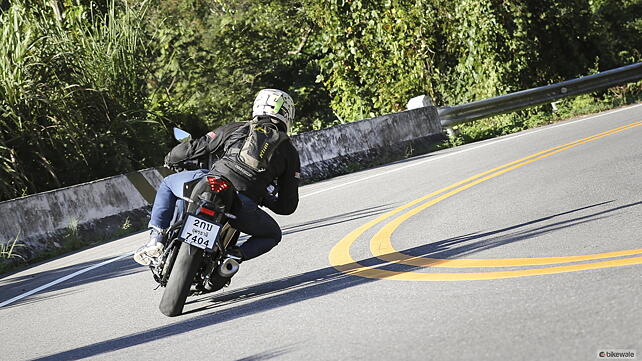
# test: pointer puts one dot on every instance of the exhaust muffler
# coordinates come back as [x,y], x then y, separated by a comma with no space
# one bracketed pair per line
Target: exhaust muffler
[228,268]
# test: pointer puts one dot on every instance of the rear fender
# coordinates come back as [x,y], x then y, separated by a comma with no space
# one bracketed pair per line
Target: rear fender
[222,202]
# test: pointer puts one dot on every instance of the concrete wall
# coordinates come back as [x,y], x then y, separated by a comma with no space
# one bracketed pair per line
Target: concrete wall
[40,220]
[337,150]
[101,206]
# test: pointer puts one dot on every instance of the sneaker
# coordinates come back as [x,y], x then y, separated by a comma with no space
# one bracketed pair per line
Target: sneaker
[152,249]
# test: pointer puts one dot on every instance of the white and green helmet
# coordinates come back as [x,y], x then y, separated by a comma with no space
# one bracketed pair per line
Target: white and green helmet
[274,103]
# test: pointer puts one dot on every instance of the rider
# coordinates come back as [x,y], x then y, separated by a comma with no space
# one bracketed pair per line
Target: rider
[223,145]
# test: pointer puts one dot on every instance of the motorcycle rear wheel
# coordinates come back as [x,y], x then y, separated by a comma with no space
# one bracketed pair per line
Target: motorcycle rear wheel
[187,262]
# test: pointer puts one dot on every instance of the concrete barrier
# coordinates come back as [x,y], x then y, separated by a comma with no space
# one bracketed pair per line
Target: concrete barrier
[339,149]
[98,208]
[41,221]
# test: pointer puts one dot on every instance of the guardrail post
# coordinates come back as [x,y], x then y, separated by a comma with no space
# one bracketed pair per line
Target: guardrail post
[419,102]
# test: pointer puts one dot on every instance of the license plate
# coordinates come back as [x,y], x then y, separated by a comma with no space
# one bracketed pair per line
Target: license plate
[199,232]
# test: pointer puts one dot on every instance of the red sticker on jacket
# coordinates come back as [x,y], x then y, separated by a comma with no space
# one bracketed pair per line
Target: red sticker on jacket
[211,135]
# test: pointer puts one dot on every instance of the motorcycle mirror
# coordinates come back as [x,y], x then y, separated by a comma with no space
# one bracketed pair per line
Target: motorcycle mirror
[181,135]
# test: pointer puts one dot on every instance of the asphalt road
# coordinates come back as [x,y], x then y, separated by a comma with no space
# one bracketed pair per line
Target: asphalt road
[529,249]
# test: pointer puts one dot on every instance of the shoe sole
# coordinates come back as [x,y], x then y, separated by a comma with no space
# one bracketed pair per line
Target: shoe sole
[144,257]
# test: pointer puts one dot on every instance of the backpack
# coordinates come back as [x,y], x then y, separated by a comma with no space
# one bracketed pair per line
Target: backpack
[261,140]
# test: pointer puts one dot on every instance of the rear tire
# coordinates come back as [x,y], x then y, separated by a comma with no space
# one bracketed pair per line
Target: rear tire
[187,262]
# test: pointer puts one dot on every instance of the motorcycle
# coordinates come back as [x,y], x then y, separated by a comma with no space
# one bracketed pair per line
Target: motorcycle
[194,260]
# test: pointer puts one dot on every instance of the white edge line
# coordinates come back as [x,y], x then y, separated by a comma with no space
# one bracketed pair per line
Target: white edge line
[63,279]
[77,273]
[527,132]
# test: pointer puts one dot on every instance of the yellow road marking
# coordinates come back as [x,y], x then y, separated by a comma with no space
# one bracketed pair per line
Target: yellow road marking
[401,258]
[382,248]
[357,269]
[381,245]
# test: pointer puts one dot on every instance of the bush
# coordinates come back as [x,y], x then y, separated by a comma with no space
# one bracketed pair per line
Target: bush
[379,54]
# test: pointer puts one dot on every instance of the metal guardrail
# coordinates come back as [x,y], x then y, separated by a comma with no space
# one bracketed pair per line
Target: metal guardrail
[464,113]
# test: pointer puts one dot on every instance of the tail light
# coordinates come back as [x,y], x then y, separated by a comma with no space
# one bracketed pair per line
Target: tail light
[217,184]
[207,211]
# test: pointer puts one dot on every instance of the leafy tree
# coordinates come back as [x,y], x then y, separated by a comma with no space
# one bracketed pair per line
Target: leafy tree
[90,88]
[216,55]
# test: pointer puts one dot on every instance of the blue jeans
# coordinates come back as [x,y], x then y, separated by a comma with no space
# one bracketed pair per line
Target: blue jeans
[167,195]
[264,231]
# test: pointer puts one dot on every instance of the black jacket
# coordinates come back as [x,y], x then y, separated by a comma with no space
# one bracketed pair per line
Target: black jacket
[209,151]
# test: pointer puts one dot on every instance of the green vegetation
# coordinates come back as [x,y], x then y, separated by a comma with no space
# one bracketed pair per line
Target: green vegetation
[377,54]
[73,96]
[89,89]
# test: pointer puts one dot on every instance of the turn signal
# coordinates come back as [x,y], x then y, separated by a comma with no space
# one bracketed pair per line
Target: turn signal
[217,184]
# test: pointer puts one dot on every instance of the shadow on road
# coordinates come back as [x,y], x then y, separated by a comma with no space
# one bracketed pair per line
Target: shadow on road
[12,287]
[337,219]
[322,282]
[512,234]
[266,355]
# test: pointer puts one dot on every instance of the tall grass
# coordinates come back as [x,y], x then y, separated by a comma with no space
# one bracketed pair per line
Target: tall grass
[7,250]
[73,93]
[115,50]
[18,95]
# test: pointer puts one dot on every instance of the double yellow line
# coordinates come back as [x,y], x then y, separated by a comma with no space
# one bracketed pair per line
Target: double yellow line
[381,245]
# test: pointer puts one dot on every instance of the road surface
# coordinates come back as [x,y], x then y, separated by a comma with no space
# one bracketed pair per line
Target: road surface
[524,247]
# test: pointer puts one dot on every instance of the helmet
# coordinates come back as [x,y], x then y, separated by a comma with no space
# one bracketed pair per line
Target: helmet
[274,103]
